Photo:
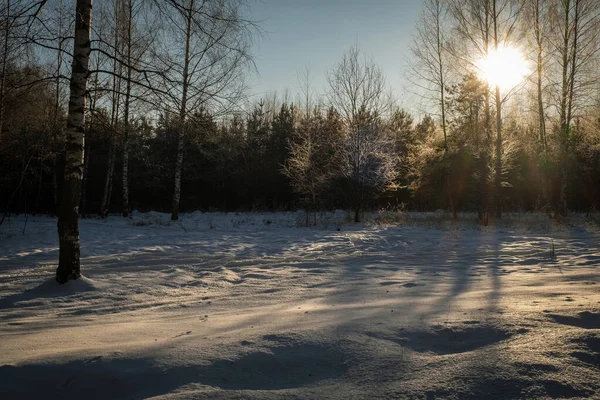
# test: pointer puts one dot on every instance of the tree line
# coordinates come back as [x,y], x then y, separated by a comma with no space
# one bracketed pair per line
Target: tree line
[144,110]
[165,131]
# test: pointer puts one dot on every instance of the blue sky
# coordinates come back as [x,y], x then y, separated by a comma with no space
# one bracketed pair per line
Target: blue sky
[315,33]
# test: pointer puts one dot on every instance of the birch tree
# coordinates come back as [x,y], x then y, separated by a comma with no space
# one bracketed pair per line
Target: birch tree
[117,73]
[577,46]
[134,50]
[536,24]
[430,68]
[68,222]
[357,88]
[537,16]
[128,15]
[205,70]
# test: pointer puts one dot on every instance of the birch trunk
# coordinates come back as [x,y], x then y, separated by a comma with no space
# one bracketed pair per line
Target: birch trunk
[126,126]
[57,129]
[84,179]
[68,222]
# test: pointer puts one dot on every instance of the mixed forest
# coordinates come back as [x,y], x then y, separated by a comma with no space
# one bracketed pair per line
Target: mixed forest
[164,120]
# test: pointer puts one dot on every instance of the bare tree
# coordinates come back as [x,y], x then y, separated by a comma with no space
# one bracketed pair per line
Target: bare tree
[59,30]
[357,85]
[117,73]
[430,68]
[68,219]
[539,14]
[368,163]
[536,24]
[577,50]
[135,47]
[206,71]
[128,15]
[430,60]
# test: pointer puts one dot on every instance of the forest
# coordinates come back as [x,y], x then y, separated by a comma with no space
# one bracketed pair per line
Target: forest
[339,238]
[169,125]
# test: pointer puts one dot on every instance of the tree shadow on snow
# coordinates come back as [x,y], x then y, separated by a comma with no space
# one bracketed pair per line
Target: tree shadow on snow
[291,365]
[49,289]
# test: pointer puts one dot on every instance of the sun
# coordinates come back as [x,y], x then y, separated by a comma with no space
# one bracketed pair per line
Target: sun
[505,67]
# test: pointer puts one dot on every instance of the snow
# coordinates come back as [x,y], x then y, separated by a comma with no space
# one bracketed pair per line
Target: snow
[256,305]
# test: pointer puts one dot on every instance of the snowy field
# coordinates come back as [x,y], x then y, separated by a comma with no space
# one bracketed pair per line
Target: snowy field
[237,306]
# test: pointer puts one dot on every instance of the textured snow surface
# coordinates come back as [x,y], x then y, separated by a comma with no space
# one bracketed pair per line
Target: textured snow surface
[236,306]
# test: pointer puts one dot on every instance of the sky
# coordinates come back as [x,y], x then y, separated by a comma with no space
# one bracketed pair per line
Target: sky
[316,33]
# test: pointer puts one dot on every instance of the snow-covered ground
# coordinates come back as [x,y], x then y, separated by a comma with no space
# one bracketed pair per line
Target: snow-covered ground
[256,306]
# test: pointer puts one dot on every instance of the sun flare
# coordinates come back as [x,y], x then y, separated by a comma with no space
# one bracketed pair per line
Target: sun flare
[505,67]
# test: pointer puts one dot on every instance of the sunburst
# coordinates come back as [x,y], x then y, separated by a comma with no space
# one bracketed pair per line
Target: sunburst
[505,67]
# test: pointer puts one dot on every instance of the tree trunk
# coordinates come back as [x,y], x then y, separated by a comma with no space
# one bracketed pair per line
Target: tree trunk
[55,185]
[442,88]
[498,177]
[126,166]
[84,180]
[68,221]
[560,208]
[314,205]
[178,168]
[39,188]
[106,197]
[483,157]
[7,25]
[569,109]
[357,215]
[58,128]
[114,119]
[539,40]
[87,150]
[182,116]
[540,65]
[126,114]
